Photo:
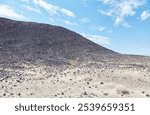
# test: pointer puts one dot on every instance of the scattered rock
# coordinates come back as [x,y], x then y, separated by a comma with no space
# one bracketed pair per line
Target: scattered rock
[106,94]
[4,94]
[85,93]
[101,83]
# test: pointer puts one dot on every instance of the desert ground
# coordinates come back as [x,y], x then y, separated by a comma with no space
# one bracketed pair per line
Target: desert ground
[91,80]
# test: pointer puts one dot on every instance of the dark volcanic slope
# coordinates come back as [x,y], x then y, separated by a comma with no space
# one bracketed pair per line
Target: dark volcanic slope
[32,41]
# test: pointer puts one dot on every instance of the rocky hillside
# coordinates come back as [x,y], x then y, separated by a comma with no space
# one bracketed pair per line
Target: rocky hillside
[32,41]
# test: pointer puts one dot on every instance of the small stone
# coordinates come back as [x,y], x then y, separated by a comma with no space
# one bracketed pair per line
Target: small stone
[101,83]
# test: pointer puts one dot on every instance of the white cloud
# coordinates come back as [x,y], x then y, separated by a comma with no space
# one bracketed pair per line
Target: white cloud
[70,23]
[110,31]
[51,19]
[32,9]
[27,1]
[7,11]
[67,12]
[101,28]
[98,28]
[54,9]
[145,15]
[49,7]
[85,20]
[84,2]
[102,40]
[121,9]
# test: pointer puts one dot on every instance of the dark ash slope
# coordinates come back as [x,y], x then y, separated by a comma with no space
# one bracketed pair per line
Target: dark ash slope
[33,41]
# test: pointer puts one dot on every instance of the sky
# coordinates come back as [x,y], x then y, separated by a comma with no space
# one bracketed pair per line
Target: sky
[120,25]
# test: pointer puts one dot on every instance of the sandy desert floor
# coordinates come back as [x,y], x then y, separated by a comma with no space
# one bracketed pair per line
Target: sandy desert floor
[93,80]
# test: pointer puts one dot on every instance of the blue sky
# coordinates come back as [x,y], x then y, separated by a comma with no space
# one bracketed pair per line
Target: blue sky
[121,25]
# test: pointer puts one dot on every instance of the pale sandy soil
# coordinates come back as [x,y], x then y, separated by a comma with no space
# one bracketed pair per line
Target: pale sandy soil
[93,79]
